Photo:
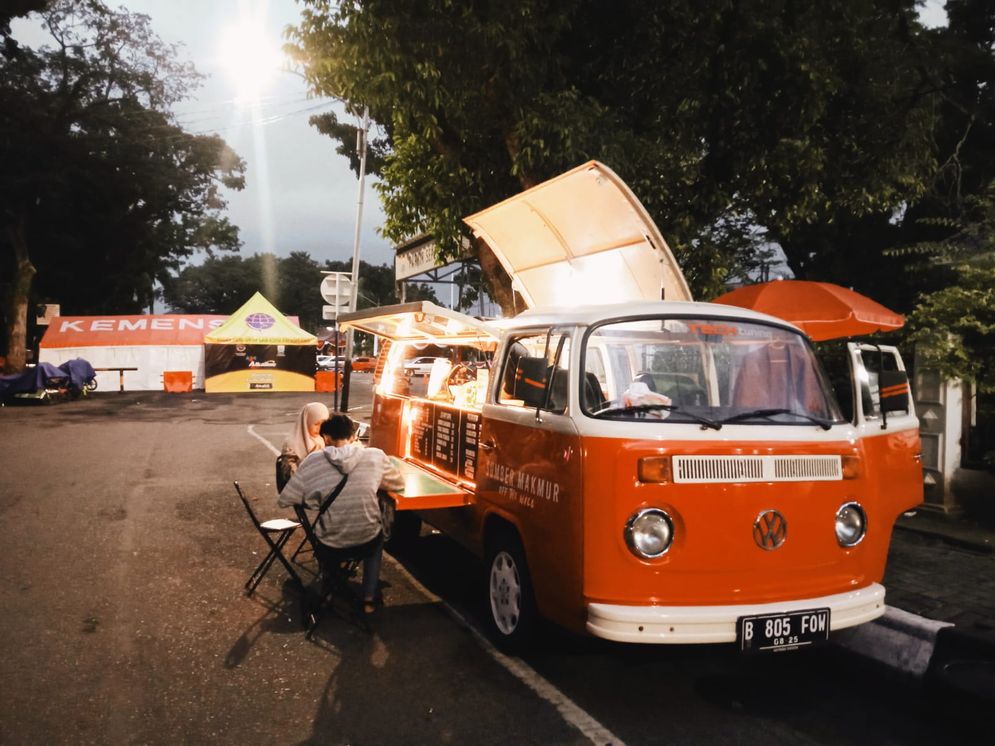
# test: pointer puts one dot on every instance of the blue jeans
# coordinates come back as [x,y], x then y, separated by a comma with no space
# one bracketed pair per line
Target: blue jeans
[371,570]
[372,555]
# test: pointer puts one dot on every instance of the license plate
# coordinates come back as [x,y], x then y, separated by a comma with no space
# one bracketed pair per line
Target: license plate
[790,630]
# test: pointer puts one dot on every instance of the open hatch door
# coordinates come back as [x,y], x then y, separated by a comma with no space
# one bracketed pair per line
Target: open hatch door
[580,238]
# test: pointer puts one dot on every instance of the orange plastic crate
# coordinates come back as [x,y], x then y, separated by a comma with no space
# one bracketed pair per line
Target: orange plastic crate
[324,380]
[177,381]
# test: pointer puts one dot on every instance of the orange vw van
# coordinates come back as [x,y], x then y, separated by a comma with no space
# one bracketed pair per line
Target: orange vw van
[645,470]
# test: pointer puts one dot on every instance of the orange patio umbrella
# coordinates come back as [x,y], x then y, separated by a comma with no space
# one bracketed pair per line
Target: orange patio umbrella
[820,309]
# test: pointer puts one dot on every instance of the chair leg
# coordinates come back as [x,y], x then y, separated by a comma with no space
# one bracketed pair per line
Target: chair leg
[283,560]
[300,547]
[259,573]
[275,553]
[332,583]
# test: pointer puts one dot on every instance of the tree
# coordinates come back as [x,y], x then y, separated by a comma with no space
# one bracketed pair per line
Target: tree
[102,193]
[222,284]
[298,280]
[728,119]
[941,246]
[15,9]
[955,327]
[377,286]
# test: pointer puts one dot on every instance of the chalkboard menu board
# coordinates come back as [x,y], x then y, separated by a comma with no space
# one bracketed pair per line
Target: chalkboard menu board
[446,438]
[421,433]
[446,429]
[469,433]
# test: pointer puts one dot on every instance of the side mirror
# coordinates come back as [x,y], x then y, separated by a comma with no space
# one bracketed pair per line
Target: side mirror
[893,386]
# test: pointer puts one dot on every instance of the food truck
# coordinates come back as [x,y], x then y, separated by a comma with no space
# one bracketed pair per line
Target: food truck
[633,464]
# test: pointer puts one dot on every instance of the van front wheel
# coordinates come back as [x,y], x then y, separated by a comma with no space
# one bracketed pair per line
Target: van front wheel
[509,591]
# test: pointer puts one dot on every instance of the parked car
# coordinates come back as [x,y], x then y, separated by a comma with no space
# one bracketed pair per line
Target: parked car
[420,366]
[328,362]
[363,364]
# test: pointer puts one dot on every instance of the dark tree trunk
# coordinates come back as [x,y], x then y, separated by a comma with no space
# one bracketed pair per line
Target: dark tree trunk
[24,273]
[498,282]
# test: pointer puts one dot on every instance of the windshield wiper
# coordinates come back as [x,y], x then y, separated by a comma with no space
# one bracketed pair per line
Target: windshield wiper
[824,424]
[704,421]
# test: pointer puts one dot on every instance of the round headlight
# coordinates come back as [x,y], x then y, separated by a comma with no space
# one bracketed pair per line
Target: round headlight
[649,533]
[851,524]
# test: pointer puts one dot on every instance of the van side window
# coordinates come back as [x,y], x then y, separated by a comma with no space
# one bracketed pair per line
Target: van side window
[870,386]
[535,372]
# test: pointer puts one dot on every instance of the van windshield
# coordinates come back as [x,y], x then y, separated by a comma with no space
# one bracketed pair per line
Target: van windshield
[708,371]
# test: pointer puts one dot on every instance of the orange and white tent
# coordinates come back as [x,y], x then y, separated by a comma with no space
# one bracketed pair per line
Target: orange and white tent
[152,344]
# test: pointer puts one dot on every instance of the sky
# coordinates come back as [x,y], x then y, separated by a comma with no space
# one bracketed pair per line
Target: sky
[300,195]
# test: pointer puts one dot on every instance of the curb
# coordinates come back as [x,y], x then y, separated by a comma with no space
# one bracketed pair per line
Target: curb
[956,663]
[974,545]
[963,664]
[899,639]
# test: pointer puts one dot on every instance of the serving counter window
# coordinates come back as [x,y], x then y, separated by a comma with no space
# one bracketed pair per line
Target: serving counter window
[439,397]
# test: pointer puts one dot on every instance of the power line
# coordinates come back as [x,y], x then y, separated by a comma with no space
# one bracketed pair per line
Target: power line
[263,121]
[193,117]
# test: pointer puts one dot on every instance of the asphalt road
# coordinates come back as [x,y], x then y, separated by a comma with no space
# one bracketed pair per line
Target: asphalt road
[121,570]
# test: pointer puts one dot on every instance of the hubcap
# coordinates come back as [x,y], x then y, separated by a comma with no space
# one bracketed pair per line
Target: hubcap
[506,593]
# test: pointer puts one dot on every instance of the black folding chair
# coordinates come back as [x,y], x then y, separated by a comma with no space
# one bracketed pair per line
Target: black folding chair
[276,532]
[336,568]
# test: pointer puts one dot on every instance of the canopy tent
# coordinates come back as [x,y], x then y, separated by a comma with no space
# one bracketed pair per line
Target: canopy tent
[259,349]
[150,345]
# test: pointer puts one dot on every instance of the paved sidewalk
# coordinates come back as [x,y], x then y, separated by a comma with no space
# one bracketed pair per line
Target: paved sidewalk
[940,624]
[943,569]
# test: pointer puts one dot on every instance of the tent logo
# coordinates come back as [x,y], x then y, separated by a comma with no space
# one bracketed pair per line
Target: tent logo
[259,321]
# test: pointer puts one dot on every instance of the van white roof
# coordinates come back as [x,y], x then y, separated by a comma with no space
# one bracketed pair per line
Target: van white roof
[578,237]
[597,313]
[424,322]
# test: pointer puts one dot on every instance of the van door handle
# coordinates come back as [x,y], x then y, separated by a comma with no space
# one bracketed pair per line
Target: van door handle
[487,445]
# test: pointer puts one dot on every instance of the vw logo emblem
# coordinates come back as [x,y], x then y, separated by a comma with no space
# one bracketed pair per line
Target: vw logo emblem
[770,530]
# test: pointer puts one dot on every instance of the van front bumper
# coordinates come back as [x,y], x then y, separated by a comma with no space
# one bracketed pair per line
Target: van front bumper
[681,625]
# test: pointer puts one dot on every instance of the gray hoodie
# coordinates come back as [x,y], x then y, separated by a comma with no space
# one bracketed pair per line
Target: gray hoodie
[354,517]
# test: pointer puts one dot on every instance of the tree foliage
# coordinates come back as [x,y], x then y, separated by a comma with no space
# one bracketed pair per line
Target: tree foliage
[222,284]
[844,132]
[955,327]
[729,119]
[947,239]
[102,193]
[14,9]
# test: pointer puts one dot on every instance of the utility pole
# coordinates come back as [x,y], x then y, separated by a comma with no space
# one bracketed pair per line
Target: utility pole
[361,133]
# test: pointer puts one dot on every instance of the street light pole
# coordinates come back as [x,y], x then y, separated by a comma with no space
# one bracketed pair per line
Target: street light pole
[361,133]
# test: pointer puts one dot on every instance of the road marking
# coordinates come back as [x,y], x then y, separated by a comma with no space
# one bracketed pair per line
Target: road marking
[590,728]
[273,449]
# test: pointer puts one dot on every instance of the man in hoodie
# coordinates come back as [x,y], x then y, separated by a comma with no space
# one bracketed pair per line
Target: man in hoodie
[353,519]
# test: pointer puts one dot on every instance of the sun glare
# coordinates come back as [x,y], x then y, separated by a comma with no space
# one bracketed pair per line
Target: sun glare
[251,57]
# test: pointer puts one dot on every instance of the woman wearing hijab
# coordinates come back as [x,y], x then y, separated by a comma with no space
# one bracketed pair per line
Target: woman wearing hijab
[303,439]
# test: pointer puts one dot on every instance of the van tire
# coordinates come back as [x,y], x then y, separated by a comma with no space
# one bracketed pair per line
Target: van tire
[511,603]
